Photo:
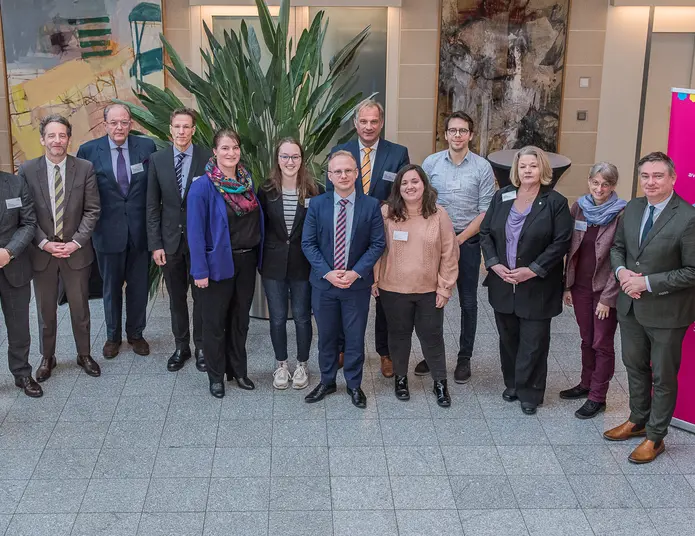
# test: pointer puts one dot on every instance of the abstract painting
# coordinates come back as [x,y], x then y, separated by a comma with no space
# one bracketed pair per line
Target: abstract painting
[73,57]
[502,62]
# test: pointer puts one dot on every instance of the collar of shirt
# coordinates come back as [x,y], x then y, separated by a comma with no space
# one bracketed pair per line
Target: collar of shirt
[350,198]
[188,152]
[50,166]
[447,156]
[113,146]
[363,146]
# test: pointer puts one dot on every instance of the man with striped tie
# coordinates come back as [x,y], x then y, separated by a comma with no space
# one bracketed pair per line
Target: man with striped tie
[379,160]
[171,173]
[343,237]
[66,200]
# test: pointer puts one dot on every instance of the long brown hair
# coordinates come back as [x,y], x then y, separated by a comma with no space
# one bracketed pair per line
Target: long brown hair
[397,209]
[306,185]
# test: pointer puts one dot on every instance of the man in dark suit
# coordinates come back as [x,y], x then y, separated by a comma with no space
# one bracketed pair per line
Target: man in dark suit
[67,207]
[653,256]
[378,162]
[120,238]
[171,173]
[17,228]
[343,238]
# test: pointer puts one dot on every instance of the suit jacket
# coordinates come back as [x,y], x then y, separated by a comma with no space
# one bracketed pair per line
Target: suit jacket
[208,232]
[283,257]
[603,280]
[367,240]
[123,219]
[166,210]
[544,240]
[389,157]
[82,208]
[17,227]
[667,256]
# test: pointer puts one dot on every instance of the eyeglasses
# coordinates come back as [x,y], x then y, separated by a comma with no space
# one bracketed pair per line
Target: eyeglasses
[116,124]
[597,184]
[341,172]
[459,131]
[286,158]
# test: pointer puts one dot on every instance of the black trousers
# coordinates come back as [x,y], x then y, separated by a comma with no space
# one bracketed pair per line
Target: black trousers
[524,346]
[405,311]
[15,309]
[226,306]
[177,278]
[381,332]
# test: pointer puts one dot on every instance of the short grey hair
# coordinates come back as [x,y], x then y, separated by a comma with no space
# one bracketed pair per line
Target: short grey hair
[607,170]
[369,103]
[114,105]
[54,118]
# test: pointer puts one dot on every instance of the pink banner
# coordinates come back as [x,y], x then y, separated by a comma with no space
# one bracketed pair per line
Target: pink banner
[681,148]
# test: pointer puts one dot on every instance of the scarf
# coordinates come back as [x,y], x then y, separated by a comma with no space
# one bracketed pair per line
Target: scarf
[237,191]
[601,214]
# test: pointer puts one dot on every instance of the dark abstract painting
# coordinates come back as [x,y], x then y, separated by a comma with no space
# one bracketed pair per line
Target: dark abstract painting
[502,62]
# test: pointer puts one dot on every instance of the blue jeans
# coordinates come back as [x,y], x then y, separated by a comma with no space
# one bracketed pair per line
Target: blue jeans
[467,284]
[277,292]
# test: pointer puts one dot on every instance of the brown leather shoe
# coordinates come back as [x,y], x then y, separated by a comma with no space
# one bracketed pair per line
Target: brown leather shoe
[31,388]
[111,349]
[341,359]
[647,451]
[90,367]
[140,346]
[624,431]
[386,366]
[45,368]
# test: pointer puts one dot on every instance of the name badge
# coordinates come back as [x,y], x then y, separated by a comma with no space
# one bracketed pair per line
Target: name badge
[306,203]
[508,196]
[580,226]
[388,176]
[137,168]
[401,236]
[15,202]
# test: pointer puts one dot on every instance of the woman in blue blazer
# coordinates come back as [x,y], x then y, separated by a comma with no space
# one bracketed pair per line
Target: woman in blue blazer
[225,238]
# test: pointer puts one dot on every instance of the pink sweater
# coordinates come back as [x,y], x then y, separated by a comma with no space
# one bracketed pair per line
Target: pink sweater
[426,262]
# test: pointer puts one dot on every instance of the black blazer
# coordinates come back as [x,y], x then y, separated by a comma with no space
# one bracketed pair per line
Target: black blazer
[282,253]
[17,227]
[544,241]
[166,210]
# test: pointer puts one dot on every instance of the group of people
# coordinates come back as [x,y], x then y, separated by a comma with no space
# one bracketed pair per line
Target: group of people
[382,227]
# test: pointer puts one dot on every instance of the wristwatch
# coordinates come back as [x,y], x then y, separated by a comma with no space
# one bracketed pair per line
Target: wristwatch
[9,252]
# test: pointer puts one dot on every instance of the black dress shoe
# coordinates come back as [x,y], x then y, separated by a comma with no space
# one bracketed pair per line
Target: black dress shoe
[178,359]
[422,369]
[245,383]
[442,392]
[45,368]
[319,393]
[359,400]
[528,408]
[90,367]
[217,389]
[402,392]
[574,393]
[590,409]
[509,394]
[31,388]
[200,360]
[462,373]
[140,345]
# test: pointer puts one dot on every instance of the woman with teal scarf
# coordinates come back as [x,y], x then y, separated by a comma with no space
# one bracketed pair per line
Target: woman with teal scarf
[592,289]
[225,237]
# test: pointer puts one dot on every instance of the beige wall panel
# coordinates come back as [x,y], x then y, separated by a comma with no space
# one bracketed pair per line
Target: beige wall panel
[420,14]
[572,75]
[674,19]
[588,14]
[417,81]
[176,14]
[419,145]
[175,87]
[181,41]
[419,46]
[570,107]
[416,114]
[579,147]
[573,183]
[5,147]
[585,47]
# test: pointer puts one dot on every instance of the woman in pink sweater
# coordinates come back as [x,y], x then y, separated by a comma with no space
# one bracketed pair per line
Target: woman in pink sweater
[415,276]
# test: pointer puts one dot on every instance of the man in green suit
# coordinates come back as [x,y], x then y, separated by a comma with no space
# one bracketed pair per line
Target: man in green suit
[654,259]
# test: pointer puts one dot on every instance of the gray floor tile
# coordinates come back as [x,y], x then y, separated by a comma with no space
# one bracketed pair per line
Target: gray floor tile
[24,435]
[45,410]
[75,435]
[603,491]
[493,522]
[361,493]
[241,462]
[682,455]
[389,407]
[155,385]
[482,492]
[189,433]
[81,409]
[557,523]
[242,433]
[338,406]
[422,493]
[109,524]
[238,494]
[571,431]
[519,431]
[125,463]
[290,404]
[66,463]
[415,461]
[184,408]
[293,433]
[177,495]
[670,521]
[115,495]
[629,522]
[18,464]
[663,465]
[587,460]
[662,491]
[472,460]
[354,432]
[285,493]
[408,432]
[454,432]
[171,524]
[176,462]
[545,491]
[418,523]
[364,523]
[4,522]
[41,525]
[300,461]
[298,524]
[10,494]
[52,496]
[530,460]
[133,434]
[244,523]
[108,385]
[357,461]
[142,408]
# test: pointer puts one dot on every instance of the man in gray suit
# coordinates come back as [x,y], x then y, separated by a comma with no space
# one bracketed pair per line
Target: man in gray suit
[654,259]
[67,207]
[17,227]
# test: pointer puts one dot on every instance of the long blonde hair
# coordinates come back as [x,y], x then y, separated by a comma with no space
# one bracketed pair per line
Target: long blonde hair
[543,165]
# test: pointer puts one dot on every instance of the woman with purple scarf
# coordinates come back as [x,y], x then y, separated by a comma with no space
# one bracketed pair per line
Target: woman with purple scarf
[225,237]
[592,289]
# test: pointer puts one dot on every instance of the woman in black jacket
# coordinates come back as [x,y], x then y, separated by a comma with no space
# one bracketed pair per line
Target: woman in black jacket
[285,197]
[524,236]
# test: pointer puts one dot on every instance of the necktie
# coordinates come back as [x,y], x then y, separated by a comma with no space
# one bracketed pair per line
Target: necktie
[648,224]
[366,171]
[60,202]
[122,172]
[339,261]
[178,168]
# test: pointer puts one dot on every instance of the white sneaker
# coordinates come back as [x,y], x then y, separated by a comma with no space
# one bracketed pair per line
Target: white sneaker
[300,378]
[281,376]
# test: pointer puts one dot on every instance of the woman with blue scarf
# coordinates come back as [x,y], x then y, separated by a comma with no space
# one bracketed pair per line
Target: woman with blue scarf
[592,289]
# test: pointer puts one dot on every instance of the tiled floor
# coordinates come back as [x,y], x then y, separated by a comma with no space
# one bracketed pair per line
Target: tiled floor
[143,451]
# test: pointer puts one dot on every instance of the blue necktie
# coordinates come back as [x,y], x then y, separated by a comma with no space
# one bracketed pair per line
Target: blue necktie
[178,169]
[648,224]
[122,172]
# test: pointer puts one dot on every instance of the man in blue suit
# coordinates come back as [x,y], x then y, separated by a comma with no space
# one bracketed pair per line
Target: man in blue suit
[343,238]
[378,162]
[120,161]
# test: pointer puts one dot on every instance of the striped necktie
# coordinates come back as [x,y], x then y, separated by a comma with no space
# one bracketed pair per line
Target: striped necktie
[179,171]
[366,171]
[340,232]
[60,202]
